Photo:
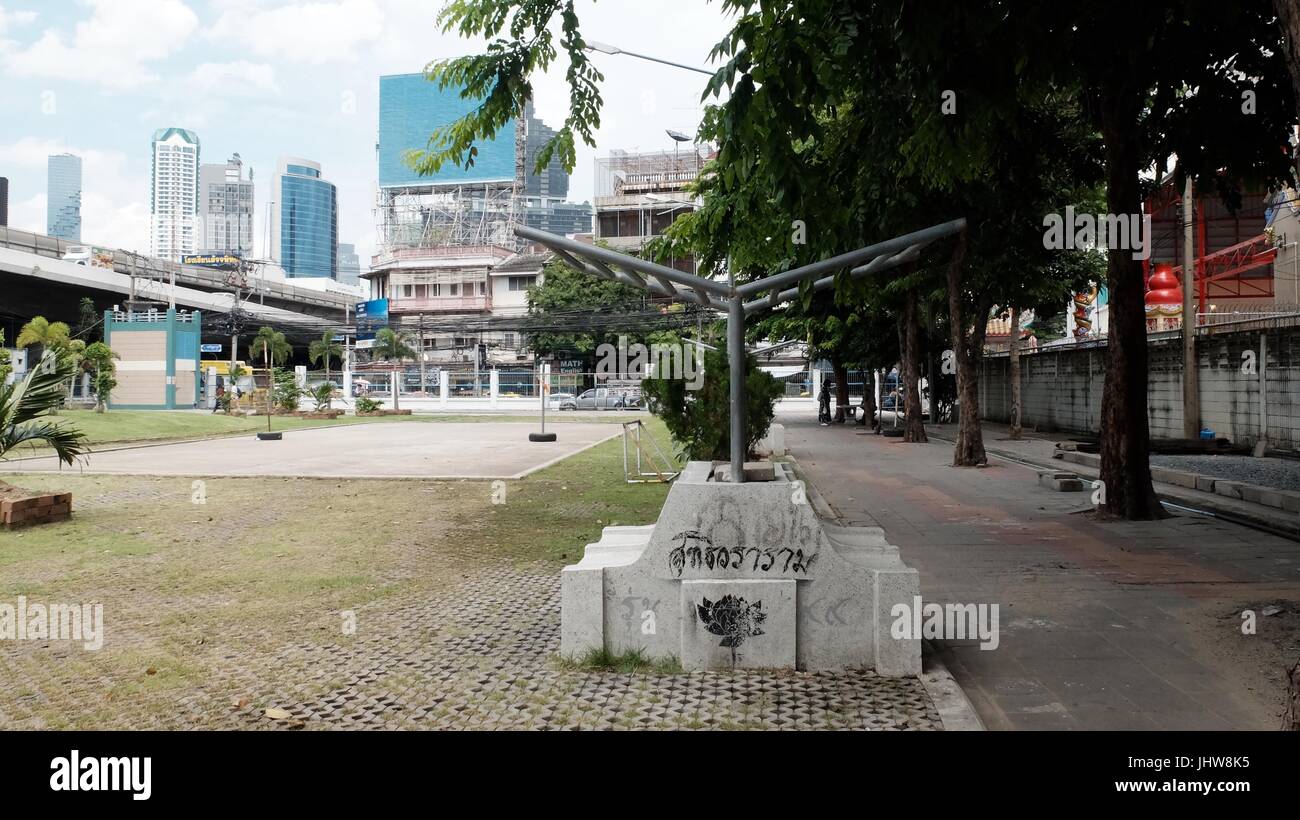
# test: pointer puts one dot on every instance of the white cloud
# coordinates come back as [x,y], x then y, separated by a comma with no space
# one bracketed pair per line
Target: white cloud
[311,33]
[112,47]
[238,79]
[14,18]
[114,198]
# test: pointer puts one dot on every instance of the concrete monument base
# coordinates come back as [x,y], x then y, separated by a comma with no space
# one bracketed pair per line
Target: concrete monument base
[742,576]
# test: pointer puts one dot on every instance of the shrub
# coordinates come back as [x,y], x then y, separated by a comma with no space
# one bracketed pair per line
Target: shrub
[322,394]
[700,420]
[286,392]
[365,405]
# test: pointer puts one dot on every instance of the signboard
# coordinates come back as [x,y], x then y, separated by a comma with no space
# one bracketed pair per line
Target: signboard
[210,348]
[371,316]
[213,261]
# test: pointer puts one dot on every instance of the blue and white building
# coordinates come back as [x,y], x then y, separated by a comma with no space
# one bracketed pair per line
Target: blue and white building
[304,220]
[63,197]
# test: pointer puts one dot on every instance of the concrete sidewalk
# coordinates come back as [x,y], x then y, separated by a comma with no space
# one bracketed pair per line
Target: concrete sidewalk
[1104,624]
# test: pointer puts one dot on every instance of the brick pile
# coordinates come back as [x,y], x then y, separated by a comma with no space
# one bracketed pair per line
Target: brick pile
[35,509]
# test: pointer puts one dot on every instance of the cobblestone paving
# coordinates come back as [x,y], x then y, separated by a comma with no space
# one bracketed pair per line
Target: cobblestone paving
[482,656]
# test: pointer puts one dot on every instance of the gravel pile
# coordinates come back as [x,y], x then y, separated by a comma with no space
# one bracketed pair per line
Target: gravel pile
[1279,473]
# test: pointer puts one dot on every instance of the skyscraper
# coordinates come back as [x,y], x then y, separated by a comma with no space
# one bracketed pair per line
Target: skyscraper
[226,207]
[305,220]
[4,201]
[349,264]
[174,194]
[63,197]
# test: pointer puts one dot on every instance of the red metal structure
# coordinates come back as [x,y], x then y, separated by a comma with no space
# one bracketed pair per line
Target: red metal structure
[1234,258]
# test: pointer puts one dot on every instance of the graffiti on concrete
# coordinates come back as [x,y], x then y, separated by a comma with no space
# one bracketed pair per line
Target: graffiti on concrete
[698,551]
[733,618]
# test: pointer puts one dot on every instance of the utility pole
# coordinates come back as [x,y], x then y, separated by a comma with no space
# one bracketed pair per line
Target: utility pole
[1191,381]
[423,387]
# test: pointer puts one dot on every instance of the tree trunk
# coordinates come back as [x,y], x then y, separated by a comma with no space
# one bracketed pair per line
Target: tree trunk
[1125,473]
[1013,355]
[1291,712]
[913,424]
[397,389]
[841,390]
[969,450]
[1288,18]
[869,399]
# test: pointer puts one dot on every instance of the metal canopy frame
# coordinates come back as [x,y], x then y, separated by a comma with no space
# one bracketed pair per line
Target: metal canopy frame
[737,301]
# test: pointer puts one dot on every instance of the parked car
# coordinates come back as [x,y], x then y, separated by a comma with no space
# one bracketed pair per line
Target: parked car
[602,398]
[558,401]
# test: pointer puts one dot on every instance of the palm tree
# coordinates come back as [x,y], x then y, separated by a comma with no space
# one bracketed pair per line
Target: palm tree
[271,345]
[49,335]
[391,347]
[39,392]
[324,348]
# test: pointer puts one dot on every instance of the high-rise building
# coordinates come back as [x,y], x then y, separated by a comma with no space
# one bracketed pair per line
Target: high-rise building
[63,197]
[305,220]
[349,264]
[226,208]
[4,201]
[546,206]
[174,194]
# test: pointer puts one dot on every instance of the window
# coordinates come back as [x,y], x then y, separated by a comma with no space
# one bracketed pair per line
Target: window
[522,282]
[408,291]
[453,289]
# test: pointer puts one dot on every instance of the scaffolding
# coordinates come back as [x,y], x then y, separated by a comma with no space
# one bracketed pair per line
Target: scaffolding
[459,214]
[628,174]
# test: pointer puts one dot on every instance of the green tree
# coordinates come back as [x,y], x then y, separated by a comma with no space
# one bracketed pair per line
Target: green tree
[100,357]
[24,403]
[568,299]
[324,348]
[5,367]
[88,320]
[391,346]
[699,420]
[947,116]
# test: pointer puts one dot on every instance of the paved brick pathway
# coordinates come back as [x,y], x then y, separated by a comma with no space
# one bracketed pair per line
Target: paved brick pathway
[480,657]
[1104,624]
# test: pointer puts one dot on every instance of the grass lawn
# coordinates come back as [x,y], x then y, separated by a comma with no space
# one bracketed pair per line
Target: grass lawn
[118,427]
[199,598]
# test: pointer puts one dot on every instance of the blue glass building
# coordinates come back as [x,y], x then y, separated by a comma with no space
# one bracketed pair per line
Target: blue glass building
[305,230]
[410,107]
[63,197]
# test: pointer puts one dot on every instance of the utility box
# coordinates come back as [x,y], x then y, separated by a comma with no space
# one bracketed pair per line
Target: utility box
[159,358]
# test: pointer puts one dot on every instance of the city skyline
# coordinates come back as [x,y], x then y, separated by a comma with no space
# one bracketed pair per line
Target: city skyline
[223,70]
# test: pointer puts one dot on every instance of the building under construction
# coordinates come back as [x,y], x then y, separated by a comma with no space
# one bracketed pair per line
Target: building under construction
[638,195]
[443,237]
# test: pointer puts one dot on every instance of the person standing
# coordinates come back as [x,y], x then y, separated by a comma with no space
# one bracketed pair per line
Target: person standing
[824,404]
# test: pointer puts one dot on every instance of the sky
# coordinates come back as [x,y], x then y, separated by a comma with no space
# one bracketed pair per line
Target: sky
[272,78]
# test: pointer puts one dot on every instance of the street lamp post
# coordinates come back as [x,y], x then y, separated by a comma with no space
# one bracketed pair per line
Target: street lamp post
[605,48]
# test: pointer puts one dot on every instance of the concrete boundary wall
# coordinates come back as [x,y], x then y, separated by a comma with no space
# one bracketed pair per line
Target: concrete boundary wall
[1061,387]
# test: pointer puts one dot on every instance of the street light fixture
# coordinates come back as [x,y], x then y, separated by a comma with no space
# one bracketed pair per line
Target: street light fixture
[605,48]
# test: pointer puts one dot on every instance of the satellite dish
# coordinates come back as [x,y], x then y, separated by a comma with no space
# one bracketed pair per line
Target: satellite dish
[678,135]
